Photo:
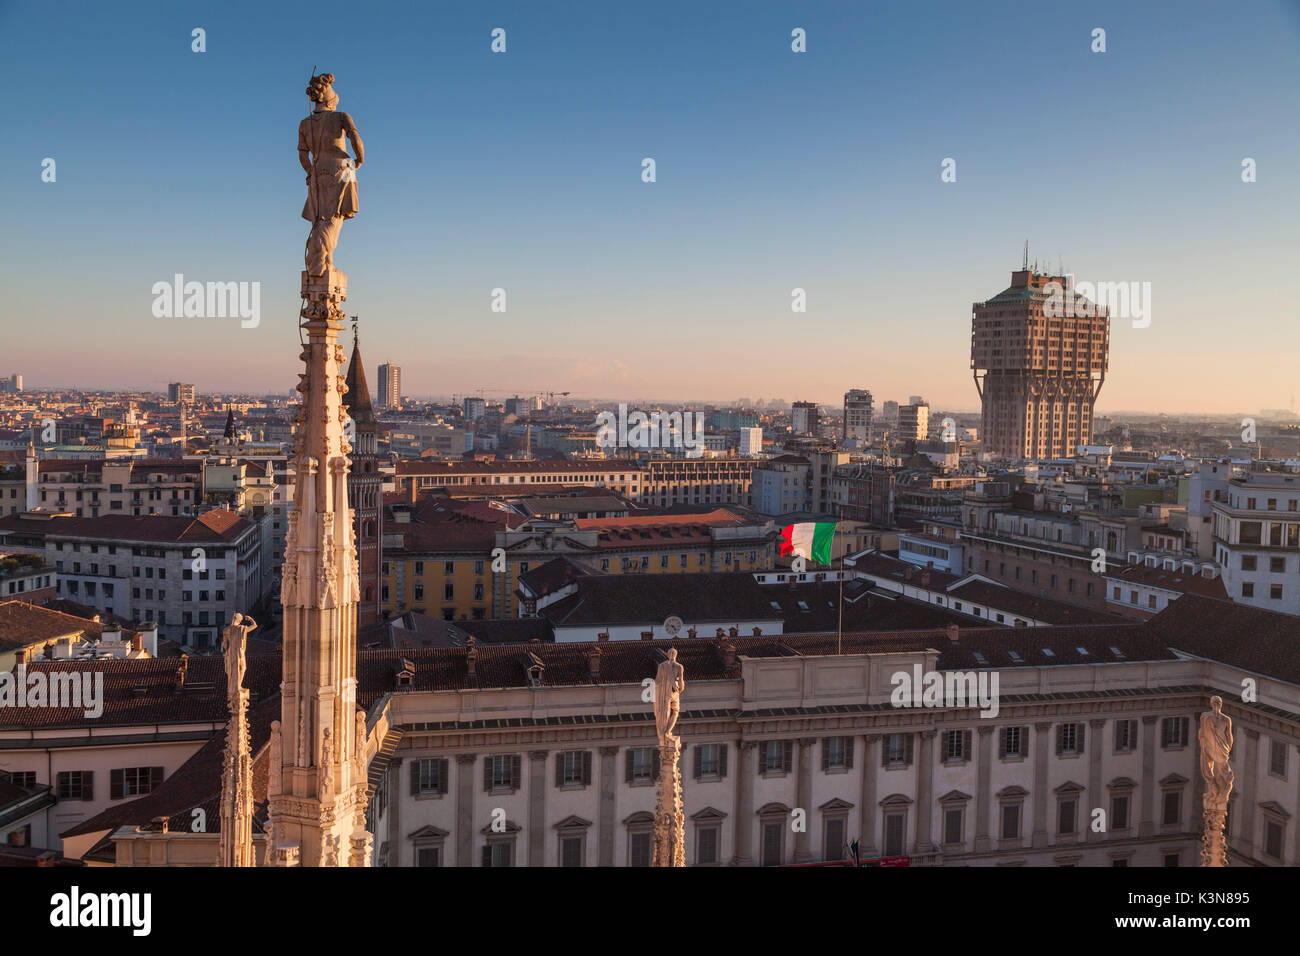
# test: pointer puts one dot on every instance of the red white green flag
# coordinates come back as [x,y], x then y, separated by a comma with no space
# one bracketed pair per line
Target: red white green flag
[810,539]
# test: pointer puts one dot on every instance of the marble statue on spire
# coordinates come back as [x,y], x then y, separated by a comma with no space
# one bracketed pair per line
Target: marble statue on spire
[331,172]
[1215,740]
[670,820]
[236,809]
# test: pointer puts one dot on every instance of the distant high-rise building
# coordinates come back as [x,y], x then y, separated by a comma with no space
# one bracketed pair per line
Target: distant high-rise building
[889,414]
[12,385]
[915,400]
[751,441]
[857,414]
[390,385]
[803,418]
[914,421]
[1038,370]
[180,392]
[475,408]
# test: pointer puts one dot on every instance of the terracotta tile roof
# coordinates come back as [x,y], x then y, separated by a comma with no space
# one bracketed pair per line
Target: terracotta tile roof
[649,598]
[1018,602]
[212,526]
[1239,635]
[719,517]
[1177,580]
[23,624]
[464,467]
[144,692]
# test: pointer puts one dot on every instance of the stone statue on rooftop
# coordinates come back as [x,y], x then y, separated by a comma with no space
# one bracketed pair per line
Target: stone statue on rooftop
[1215,740]
[670,681]
[234,644]
[331,172]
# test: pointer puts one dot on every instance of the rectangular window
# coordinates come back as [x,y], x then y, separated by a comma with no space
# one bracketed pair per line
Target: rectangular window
[1277,758]
[1067,810]
[1068,738]
[639,849]
[430,776]
[133,781]
[1273,839]
[952,826]
[833,839]
[571,851]
[1012,742]
[773,838]
[1011,821]
[706,844]
[1173,732]
[894,828]
[1173,807]
[1119,812]
[1125,736]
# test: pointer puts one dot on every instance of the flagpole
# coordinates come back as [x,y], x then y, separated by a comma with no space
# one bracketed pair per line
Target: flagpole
[840,627]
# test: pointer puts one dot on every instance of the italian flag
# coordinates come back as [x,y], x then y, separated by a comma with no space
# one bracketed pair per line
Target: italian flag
[811,539]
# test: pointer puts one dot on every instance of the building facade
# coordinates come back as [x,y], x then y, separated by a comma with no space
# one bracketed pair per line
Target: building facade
[1038,372]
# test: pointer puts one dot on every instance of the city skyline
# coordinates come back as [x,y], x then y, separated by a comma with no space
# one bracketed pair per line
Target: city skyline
[529,179]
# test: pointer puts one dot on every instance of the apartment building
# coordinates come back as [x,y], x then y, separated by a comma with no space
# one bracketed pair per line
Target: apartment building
[189,575]
[1257,540]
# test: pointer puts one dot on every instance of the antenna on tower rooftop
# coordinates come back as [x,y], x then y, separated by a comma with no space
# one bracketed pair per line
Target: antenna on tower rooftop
[1024,265]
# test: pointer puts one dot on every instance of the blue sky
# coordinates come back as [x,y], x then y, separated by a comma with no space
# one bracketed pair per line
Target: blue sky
[775,170]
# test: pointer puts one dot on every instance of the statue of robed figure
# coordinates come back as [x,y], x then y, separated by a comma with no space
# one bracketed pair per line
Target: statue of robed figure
[331,172]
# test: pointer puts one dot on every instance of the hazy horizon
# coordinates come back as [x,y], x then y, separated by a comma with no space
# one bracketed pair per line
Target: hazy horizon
[775,171]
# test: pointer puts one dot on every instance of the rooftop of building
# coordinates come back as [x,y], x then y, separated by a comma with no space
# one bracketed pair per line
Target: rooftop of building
[216,526]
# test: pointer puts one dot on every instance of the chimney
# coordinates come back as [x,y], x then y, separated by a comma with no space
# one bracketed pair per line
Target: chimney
[925,578]
[758,632]
[720,635]
[137,642]
[603,636]
[160,824]
[952,633]
[647,635]
[471,657]
[178,682]
[20,658]
[728,655]
[593,663]
[908,572]
[735,632]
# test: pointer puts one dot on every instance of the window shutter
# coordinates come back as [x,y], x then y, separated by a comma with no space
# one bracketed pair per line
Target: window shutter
[787,755]
[965,745]
[487,774]
[415,778]
[826,754]
[699,763]
[761,762]
[586,767]
[444,776]
[1060,738]
[115,784]
[907,749]
[559,768]
[884,750]
[1024,741]
[1002,742]
[516,771]
[1079,735]
[88,785]
[656,764]
[487,855]
[627,765]
[722,760]
[848,753]
[155,778]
